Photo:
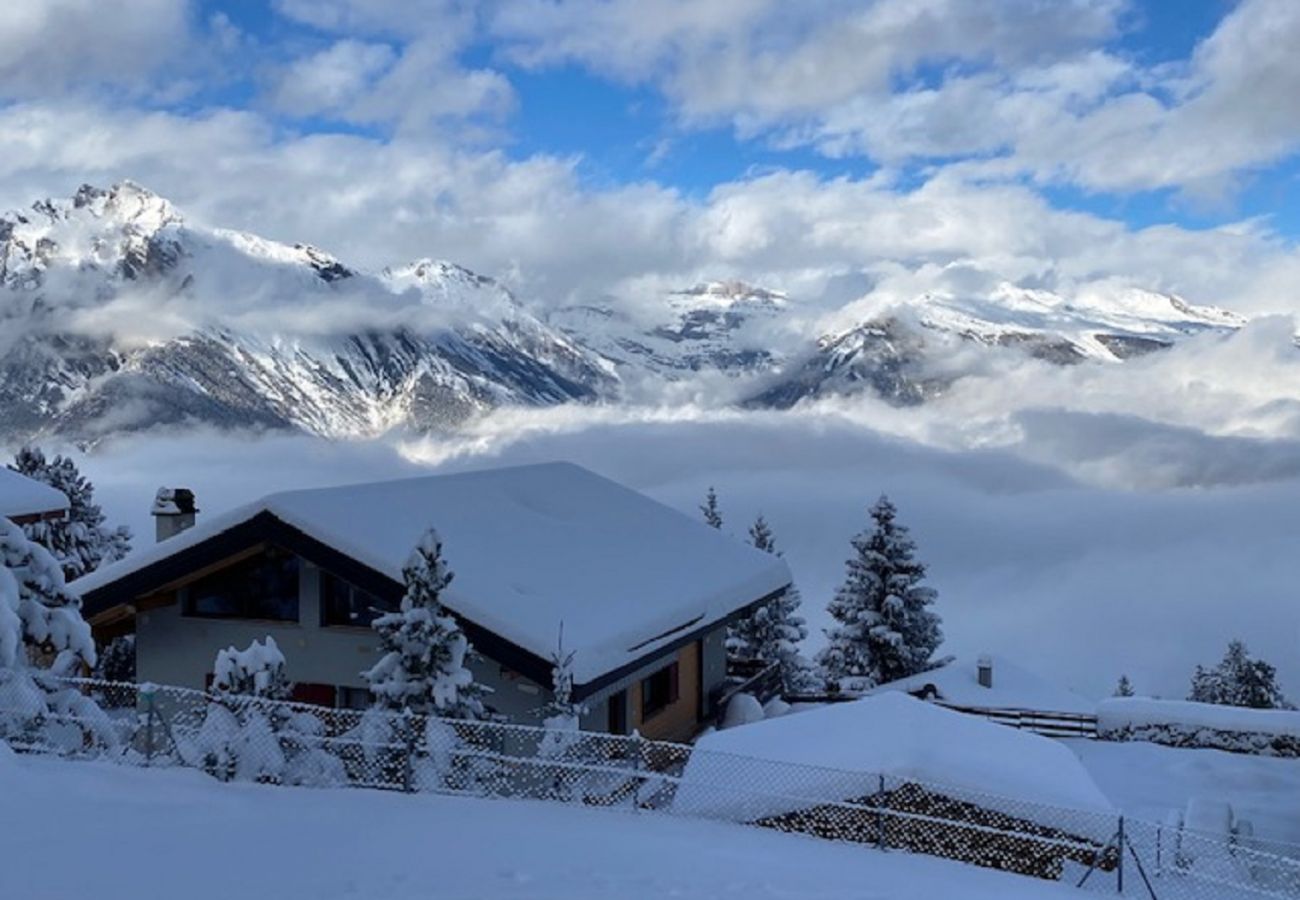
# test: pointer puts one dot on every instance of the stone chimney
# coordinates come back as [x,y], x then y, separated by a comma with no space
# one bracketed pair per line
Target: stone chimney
[173,511]
[984,670]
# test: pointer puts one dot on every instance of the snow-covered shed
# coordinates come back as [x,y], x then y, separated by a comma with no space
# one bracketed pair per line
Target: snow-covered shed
[990,682]
[24,499]
[958,786]
[643,592]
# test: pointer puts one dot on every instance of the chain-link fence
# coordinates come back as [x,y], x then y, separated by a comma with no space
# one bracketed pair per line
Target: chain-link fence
[242,738]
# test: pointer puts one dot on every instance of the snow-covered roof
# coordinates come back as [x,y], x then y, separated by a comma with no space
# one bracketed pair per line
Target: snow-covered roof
[837,753]
[531,547]
[1013,688]
[23,496]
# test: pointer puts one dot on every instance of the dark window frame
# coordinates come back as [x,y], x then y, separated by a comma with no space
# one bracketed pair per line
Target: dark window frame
[660,690]
[329,605]
[248,605]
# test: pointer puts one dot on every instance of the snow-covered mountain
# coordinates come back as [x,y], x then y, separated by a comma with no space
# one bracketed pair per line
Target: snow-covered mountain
[728,326]
[118,315]
[892,350]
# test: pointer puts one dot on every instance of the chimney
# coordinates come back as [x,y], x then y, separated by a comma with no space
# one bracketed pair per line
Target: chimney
[984,670]
[173,511]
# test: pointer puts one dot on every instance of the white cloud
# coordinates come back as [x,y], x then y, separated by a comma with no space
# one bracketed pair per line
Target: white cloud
[331,79]
[50,46]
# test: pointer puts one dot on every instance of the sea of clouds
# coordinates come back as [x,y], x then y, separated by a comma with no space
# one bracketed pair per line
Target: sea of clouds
[1088,522]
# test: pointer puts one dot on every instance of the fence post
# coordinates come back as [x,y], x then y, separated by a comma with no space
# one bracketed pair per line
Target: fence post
[147,695]
[408,758]
[1159,848]
[881,843]
[1119,872]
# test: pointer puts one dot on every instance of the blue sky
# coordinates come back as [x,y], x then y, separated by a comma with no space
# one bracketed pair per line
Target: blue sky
[625,147]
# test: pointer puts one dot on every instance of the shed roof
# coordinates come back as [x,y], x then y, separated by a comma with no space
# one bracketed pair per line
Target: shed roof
[531,547]
[23,496]
[1014,687]
[836,753]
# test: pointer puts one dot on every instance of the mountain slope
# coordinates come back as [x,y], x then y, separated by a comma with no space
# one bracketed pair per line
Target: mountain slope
[119,315]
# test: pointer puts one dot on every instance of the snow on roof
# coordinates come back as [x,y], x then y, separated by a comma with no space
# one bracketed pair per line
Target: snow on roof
[1013,688]
[1135,712]
[531,547]
[837,753]
[23,496]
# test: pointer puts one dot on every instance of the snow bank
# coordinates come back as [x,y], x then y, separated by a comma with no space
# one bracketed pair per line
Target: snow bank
[839,752]
[1182,723]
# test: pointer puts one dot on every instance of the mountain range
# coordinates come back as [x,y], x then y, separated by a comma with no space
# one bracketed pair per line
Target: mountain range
[118,315]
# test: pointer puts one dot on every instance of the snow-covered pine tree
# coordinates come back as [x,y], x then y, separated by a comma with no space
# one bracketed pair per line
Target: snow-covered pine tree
[562,718]
[81,542]
[117,660]
[1238,680]
[712,515]
[885,628]
[1124,688]
[42,633]
[774,631]
[424,669]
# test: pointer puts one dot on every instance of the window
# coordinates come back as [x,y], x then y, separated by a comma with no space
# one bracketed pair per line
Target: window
[658,691]
[261,587]
[342,603]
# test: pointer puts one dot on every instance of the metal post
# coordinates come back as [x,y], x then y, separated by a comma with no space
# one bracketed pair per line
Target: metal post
[1119,872]
[1159,849]
[408,760]
[880,815]
[147,695]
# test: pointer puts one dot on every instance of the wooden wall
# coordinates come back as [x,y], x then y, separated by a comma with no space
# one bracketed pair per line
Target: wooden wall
[679,721]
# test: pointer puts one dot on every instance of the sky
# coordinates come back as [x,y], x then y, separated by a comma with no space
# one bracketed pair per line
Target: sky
[592,148]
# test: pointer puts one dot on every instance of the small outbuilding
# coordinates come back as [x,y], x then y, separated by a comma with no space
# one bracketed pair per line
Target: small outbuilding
[899,772]
[24,500]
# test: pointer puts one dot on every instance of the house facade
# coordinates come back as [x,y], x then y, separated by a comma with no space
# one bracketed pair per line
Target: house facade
[543,557]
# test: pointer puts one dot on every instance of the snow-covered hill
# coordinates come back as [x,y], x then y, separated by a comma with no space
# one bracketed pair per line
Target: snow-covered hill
[119,315]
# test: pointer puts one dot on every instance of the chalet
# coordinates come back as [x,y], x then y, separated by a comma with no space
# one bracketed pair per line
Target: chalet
[24,500]
[641,593]
[990,683]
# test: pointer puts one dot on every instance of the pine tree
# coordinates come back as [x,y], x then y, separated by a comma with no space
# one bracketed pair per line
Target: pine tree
[885,629]
[81,542]
[424,667]
[1238,680]
[774,631]
[562,715]
[42,632]
[712,515]
[1124,688]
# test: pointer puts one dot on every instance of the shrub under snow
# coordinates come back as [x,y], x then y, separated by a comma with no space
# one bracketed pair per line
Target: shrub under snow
[1182,723]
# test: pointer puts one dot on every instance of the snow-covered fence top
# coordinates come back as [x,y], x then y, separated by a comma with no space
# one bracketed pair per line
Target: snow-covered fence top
[1182,723]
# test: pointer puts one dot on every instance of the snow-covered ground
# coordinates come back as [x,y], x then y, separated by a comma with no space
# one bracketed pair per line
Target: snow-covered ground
[1149,780]
[74,830]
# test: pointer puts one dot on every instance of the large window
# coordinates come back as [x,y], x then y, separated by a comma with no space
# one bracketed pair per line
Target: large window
[261,587]
[342,603]
[658,691]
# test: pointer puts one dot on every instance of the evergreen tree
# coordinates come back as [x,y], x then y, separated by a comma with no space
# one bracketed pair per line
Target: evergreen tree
[424,666]
[562,715]
[885,628]
[1124,688]
[774,631]
[81,542]
[42,633]
[1238,680]
[712,515]
[117,660]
